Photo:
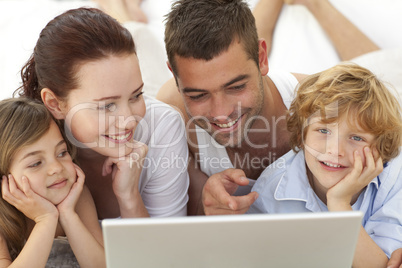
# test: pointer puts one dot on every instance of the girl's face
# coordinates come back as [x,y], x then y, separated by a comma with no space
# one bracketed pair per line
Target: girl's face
[329,150]
[47,165]
[103,113]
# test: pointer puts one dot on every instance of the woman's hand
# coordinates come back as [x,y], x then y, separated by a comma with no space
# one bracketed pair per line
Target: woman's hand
[126,173]
[26,200]
[339,197]
[69,203]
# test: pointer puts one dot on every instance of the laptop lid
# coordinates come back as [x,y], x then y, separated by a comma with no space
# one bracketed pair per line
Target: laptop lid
[326,239]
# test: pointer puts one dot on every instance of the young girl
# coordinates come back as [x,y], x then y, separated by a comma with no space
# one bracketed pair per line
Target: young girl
[346,133]
[132,148]
[43,192]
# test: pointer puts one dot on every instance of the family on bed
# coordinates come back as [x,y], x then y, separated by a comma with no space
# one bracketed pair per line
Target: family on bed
[81,142]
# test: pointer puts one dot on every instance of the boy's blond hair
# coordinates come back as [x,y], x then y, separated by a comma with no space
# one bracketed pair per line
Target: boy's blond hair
[348,89]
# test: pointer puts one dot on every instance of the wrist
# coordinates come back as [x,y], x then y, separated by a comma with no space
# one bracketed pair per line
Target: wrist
[132,207]
[338,204]
[67,216]
[48,218]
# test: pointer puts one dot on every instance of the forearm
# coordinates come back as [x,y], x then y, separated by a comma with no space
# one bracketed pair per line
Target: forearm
[368,253]
[88,251]
[348,40]
[197,182]
[266,14]
[133,207]
[36,250]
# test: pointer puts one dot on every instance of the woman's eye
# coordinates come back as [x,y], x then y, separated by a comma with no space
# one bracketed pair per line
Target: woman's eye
[136,97]
[110,107]
[139,95]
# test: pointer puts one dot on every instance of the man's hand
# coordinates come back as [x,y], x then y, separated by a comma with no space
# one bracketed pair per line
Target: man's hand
[217,193]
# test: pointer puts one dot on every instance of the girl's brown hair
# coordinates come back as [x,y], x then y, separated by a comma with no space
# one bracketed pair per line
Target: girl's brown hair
[22,122]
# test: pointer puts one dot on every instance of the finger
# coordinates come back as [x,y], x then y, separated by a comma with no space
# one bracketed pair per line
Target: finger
[6,194]
[237,176]
[140,148]
[4,186]
[358,164]
[244,202]
[373,167]
[12,184]
[216,197]
[377,158]
[396,259]
[107,166]
[376,154]
[26,187]
[214,194]
[80,174]
[369,157]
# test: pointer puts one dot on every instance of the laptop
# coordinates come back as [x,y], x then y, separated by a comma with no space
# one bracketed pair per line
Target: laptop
[324,240]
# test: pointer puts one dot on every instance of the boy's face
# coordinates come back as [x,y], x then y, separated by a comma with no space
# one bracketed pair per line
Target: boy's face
[329,150]
[47,165]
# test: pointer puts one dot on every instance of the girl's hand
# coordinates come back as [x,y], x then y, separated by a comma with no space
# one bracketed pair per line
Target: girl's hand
[126,172]
[339,197]
[25,200]
[69,203]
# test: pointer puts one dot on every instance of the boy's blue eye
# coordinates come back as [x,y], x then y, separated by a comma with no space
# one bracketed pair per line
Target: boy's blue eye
[323,131]
[357,138]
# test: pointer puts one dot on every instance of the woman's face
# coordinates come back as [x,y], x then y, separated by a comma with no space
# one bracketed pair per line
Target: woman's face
[103,112]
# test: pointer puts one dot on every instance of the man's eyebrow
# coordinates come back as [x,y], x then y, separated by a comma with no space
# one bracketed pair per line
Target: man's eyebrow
[190,89]
[236,79]
[117,97]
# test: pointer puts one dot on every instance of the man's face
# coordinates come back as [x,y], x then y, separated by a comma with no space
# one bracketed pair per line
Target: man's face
[224,95]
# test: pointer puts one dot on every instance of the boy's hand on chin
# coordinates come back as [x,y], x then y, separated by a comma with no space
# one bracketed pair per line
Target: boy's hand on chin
[341,195]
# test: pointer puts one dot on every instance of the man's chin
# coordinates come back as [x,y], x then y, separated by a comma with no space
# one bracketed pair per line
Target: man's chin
[228,142]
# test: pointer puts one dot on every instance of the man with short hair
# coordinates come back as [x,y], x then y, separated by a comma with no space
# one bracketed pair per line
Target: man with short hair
[235,112]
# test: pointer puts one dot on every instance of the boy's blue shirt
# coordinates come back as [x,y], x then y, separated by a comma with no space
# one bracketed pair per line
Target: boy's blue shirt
[283,187]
